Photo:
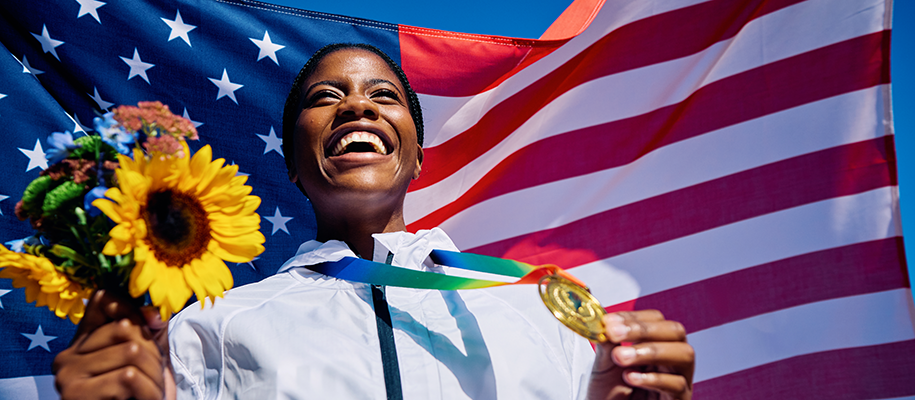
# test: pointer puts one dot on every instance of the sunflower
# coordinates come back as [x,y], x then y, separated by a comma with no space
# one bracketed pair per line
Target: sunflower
[44,283]
[182,217]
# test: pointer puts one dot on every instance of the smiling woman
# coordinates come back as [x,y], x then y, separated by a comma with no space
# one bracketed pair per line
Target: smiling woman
[352,131]
[344,96]
[294,101]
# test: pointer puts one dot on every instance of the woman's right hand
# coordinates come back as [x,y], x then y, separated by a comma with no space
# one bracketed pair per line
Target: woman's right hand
[119,352]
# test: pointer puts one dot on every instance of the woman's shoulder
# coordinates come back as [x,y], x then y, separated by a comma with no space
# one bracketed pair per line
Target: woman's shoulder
[235,300]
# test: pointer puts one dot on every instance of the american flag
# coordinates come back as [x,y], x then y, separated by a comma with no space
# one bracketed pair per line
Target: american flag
[729,162]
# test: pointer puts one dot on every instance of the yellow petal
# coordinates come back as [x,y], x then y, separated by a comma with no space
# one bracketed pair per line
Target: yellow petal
[255,237]
[142,277]
[109,208]
[121,232]
[117,247]
[208,174]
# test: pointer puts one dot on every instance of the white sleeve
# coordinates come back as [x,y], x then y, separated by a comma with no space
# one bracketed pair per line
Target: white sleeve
[582,360]
[195,355]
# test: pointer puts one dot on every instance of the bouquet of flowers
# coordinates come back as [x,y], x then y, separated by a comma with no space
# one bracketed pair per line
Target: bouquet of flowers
[130,208]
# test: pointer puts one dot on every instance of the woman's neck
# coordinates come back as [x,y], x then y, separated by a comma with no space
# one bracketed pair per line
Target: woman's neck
[357,233]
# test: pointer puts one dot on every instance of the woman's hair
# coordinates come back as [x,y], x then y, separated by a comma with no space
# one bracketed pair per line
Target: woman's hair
[293,101]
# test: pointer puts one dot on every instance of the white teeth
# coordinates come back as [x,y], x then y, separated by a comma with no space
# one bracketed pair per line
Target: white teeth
[362,137]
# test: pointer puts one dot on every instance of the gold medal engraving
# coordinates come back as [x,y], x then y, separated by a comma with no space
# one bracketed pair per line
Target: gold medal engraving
[574,306]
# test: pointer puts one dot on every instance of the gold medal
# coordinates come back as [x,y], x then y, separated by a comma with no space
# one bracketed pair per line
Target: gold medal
[574,306]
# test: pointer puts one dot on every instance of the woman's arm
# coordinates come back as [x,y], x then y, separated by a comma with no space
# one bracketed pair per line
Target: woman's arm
[119,352]
[659,360]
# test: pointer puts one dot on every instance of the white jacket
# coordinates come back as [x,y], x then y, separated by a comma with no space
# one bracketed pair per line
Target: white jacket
[300,334]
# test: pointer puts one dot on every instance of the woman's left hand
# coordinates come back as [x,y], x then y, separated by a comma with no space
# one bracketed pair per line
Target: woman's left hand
[658,360]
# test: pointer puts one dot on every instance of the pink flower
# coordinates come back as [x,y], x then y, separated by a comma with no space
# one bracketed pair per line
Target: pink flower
[155,120]
[163,144]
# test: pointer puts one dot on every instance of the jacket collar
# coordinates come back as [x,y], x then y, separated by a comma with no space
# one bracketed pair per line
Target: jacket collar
[411,250]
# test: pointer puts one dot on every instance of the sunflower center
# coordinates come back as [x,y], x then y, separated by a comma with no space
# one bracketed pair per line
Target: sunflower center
[179,230]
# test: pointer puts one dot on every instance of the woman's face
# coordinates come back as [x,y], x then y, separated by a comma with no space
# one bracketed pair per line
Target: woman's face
[354,134]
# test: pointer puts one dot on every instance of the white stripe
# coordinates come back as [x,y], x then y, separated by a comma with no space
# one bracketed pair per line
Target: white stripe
[856,321]
[800,230]
[835,121]
[29,388]
[788,32]
[645,89]
[611,16]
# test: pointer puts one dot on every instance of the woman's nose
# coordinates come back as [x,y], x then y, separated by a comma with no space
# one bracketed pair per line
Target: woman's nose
[357,106]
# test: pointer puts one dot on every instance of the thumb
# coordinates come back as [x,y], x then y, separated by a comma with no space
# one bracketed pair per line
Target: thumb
[153,318]
[157,327]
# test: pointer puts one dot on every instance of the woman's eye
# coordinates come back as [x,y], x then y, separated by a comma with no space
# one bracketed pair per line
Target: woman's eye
[386,93]
[322,96]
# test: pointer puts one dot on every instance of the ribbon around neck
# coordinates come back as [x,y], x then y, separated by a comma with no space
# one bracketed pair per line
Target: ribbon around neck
[375,273]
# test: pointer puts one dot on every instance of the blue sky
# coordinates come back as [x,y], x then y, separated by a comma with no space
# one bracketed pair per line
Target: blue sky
[529,19]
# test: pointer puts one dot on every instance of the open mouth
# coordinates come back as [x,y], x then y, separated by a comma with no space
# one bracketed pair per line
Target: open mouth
[359,142]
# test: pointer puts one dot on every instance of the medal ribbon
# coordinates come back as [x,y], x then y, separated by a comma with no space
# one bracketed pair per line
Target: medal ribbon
[375,273]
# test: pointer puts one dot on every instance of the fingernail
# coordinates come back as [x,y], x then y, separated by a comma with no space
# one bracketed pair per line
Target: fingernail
[625,354]
[619,331]
[635,378]
[614,318]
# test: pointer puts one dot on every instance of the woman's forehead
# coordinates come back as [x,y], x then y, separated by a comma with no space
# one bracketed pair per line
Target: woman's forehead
[351,61]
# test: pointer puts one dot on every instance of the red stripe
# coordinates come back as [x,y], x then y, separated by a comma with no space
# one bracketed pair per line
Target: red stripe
[869,372]
[645,42]
[574,20]
[834,172]
[436,62]
[851,270]
[829,71]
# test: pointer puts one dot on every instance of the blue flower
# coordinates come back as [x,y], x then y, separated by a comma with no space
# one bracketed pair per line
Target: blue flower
[60,146]
[113,133]
[19,245]
[96,193]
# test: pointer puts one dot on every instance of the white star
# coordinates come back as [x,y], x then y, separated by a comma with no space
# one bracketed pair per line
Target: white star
[89,7]
[196,124]
[77,126]
[2,197]
[28,69]
[267,48]
[272,142]
[250,263]
[278,221]
[102,104]
[48,44]
[179,28]
[137,66]
[2,293]
[36,157]
[226,87]
[39,339]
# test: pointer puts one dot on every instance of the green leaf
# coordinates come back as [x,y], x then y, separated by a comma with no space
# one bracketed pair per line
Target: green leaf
[92,145]
[105,264]
[61,195]
[80,215]
[123,262]
[70,254]
[34,194]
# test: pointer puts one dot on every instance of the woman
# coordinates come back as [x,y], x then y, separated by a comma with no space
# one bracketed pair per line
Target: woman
[353,137]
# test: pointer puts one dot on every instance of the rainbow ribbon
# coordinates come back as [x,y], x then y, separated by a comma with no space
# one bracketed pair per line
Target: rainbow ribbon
[375,273]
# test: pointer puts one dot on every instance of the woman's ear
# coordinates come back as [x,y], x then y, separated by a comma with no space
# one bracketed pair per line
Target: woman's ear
[419,161]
